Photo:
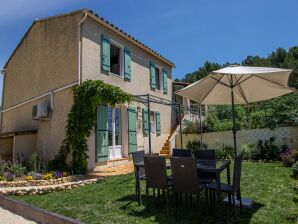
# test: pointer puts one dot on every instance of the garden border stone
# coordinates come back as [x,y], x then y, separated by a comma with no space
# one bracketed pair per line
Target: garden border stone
[25,183]
[34,213]
[32,190]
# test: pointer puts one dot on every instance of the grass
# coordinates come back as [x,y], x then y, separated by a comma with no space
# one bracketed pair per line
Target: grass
[113,201]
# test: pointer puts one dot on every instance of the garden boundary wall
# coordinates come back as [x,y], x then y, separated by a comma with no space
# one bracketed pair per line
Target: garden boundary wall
[215,140]
[33,213]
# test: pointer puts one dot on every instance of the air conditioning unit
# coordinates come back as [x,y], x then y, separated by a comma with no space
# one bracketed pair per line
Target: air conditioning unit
[40,111]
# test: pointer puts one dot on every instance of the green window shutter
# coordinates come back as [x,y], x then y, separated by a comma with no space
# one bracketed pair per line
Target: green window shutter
[145,122]
[158,131]
[102,141]
[127,64]
[165,82]
[105,53]
[152,76]
[132,129]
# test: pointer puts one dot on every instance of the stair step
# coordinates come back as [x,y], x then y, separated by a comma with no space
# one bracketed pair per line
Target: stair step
[165,148]
[165,155]
[164,151]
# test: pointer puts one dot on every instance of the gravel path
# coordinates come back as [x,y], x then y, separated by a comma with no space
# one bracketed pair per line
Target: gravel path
[7,217]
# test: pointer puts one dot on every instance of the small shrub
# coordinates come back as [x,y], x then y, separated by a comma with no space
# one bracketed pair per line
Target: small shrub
[1,178]
[247,151]
[29,177]
[195,145]
[289,157]
[267,150]
[17,168]
[9,176]
[295,170]
[47,176]
[226,152]
[3,167]
[35,162]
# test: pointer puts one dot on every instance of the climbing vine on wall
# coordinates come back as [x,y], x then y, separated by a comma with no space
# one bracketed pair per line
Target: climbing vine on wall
[82,118]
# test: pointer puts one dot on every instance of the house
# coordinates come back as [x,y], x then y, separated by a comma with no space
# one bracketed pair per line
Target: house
[59,52]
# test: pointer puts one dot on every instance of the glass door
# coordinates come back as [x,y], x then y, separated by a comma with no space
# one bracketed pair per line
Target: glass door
[114,127]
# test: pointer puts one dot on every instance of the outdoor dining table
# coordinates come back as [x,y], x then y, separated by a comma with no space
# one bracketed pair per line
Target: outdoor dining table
[207,166]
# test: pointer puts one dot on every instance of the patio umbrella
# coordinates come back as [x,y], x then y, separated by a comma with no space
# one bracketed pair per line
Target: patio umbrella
[238,85]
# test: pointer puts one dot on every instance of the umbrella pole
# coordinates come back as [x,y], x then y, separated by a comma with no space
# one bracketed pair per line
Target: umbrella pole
[180,128]
[234,122]
[200,111]
[149,125]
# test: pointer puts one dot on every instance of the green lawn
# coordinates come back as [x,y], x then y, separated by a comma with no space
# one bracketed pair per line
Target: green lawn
[113,201]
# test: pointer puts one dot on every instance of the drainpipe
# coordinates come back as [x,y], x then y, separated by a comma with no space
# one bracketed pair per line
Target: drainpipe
[2,97]
[80,46]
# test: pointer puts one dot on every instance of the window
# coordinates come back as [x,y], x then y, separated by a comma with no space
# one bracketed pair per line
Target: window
[158,78]
[153,122]
[115,59]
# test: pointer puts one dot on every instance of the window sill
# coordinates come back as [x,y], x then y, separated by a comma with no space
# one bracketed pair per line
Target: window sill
[158,90]
[113,74]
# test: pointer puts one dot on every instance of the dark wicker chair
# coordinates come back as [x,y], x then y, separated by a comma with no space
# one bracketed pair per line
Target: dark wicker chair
[181,153]
[138,157]
[185,177]
[208,154]
[233,189]
[156,175]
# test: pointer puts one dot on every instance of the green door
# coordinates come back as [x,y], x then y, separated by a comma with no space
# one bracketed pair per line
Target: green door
[102,141]
[132,129]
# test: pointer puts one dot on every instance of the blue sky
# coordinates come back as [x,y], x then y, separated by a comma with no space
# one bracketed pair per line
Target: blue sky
[186,32]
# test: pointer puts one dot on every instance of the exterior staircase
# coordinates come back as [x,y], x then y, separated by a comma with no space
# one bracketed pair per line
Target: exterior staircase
[165,151]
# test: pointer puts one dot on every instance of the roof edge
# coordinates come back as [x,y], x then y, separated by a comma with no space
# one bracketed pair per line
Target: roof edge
[128,37]
[103,22]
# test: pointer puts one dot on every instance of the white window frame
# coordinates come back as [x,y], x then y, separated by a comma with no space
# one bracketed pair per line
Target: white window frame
[160,78]
[113,42]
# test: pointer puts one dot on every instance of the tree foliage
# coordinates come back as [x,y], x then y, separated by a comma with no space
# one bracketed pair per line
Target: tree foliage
[271,113]
[81,119]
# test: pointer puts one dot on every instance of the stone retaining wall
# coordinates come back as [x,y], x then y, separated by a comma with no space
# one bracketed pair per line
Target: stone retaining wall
[33,213]
[25,183]
[31,190]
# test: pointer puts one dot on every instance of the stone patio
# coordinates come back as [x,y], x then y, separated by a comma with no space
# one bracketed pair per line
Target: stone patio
[122,169]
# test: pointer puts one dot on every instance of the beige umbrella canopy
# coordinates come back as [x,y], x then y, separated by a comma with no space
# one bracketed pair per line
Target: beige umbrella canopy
[249,84]
[238,85]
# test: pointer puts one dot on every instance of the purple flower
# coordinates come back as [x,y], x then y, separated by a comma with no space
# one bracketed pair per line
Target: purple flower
[58,174]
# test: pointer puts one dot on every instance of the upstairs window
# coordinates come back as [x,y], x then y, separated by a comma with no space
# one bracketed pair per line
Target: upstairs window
[115,59]
[158,79]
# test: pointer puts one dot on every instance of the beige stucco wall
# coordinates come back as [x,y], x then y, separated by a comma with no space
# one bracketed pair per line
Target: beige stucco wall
[24,145]
[46,60]
[52,132]
[214,140]
[139,84]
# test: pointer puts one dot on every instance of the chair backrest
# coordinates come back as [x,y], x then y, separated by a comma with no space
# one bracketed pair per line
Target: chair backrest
[138,157]
[181,152]
[156,172]
[185,174]
[237,172]
[208,154]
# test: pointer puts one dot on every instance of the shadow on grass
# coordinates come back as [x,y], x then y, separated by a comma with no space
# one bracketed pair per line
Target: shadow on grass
[156,211]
